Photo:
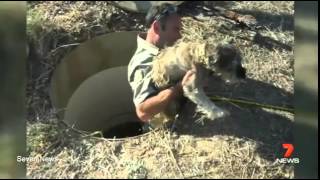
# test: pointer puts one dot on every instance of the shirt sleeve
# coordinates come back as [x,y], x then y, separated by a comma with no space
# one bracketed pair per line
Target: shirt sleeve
[140,81]
[143,86]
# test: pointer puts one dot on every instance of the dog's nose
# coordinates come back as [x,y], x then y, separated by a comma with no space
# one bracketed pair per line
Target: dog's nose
[241,73]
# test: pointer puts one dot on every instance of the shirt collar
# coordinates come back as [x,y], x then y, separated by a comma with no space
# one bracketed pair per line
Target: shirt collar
[143,44]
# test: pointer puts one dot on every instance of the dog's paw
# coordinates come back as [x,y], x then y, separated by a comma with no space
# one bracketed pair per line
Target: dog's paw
[226,113]
[218,113]
[201,120]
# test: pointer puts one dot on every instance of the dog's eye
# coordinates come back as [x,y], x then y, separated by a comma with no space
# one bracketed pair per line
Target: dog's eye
[223,64]
[241,72]
[228,68]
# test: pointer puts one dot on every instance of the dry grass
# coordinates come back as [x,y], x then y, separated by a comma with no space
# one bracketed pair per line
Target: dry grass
[244,145]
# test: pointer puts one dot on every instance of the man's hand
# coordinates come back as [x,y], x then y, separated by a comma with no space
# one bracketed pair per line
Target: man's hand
[177,89]
[190,75]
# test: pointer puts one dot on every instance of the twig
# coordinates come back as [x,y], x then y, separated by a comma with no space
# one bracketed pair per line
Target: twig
[252,103]
[243,172]
[172,156]
[235,105]
[86,134]
[66,45]
[93,134]
[253,172]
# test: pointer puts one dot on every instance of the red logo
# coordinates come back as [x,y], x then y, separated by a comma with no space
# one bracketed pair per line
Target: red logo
[286,160]
[289,148]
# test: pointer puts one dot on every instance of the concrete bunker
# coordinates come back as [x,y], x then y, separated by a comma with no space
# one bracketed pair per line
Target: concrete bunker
[89,88]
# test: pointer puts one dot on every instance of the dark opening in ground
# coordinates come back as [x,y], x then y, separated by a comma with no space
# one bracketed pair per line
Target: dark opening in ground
[128,129]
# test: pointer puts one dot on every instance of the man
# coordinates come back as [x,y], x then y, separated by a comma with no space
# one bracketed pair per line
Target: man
[164,30]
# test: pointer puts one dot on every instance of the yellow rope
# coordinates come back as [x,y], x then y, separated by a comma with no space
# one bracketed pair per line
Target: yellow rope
[252,103]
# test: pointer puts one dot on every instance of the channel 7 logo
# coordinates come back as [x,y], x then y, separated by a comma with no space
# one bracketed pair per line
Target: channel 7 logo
[287,159]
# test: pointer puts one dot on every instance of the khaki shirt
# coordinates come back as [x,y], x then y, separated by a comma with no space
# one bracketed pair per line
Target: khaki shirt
[139,70]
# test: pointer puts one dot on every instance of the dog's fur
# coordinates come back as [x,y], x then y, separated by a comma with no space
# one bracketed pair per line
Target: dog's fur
[170,66]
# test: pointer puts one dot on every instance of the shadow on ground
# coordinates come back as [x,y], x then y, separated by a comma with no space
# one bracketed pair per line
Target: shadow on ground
[265,20]
[269,128]
[282,21]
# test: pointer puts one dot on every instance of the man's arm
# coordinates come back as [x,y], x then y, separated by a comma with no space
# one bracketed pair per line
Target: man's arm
[156,104]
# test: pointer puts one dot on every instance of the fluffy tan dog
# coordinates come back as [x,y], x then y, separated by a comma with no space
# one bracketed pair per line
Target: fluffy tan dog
[172,63]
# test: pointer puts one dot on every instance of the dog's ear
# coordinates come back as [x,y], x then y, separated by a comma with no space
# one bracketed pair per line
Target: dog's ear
[226,51]
[211,53]
[210,49]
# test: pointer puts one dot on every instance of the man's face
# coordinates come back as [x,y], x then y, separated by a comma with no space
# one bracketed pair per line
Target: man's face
[171,33]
